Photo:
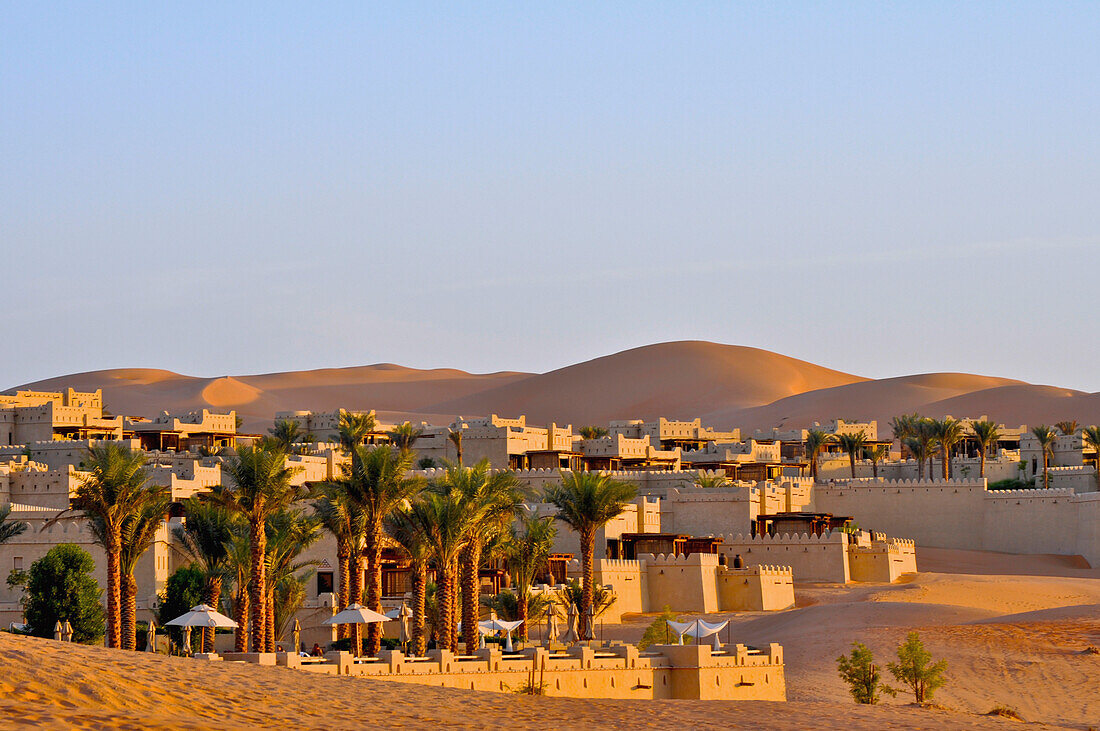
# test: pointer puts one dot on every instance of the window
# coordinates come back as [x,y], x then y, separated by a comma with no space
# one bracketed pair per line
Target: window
[17,563]
[324,582]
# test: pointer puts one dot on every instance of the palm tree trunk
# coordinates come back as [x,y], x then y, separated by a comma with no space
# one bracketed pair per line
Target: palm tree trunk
[852,460]
[258,551]
[355,588]
[114,594]
[343,558]
[471,589]
[212,598]
[920,467]
[981,467]
[128,610]
[874,468]
[240,616]
[374,588]
[946,463]
[419,597]
[445,619]
[588,548]
[269,630]
[521,611]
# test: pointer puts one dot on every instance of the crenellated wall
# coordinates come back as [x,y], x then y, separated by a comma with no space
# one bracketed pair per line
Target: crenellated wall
[697,672]
[811,557]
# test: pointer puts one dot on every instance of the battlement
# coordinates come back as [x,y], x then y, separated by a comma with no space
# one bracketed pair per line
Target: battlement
[758,570]
[786,538]
[871,482]
[1036,494]
[679,559]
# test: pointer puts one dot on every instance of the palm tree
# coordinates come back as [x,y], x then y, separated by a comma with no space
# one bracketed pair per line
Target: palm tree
[239,551]
[526,552]
[925,439]
[353,429]
[905,428]
[376,483]
[441,515]
[586,501]
[852,444]
[113,493]
[138,534]
[286,433]
[592,432]
[816,441]
[876,454]
[491,501]
[404,436]
[405,527]
[1091,436]
[259,486]
[206,537]
[10,528]
[710,481]
[455,437]
[1069,428]
[1046,437]
[949,432]
[289,532]
[341,517]
[986,434]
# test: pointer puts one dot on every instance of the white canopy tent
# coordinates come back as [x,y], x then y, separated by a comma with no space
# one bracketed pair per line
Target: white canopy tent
[698,629]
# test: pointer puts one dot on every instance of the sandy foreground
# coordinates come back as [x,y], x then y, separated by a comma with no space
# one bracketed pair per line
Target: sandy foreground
[1010,639]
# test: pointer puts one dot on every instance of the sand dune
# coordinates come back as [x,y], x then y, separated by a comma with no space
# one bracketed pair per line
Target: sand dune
[726,385]
[995,657]
[676,380]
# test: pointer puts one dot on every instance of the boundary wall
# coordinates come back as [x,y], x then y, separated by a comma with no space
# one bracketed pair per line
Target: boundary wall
[620,671]
[964,514]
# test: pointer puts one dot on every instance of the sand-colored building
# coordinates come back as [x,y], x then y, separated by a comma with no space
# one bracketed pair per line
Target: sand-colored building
[40,416]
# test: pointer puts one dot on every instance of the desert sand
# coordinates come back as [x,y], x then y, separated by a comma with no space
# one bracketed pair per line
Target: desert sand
[725,385]
[1009,639]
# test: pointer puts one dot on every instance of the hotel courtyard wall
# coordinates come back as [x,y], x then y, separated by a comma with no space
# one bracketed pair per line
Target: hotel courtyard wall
[734,672]
[964,514]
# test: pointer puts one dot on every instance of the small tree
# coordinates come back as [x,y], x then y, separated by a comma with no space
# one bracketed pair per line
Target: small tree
[61,588]
[859,671]
[913,668]
[185,588]
[658,633]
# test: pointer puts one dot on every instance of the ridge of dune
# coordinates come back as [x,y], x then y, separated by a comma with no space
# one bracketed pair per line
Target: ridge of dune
[680,379]
[725,385]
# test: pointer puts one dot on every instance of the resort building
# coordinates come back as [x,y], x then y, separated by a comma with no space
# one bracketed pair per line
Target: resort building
[750,460]
[40,416]
[668,435]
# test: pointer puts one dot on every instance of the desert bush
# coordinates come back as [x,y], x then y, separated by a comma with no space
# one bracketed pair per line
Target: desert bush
[916,670]
[859,672]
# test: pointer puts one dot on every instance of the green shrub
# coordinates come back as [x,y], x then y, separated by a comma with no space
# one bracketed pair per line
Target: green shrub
[658,632]
[184,589]
[914,669]
[60,588]
[862,676]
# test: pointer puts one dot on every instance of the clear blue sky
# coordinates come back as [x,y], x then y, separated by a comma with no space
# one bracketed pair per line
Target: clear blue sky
[883,188]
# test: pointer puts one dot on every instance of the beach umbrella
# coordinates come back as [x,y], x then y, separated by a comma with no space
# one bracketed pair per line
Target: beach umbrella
[151,637]
[201,615]
[356,614]
[67,632]
[57,630]
[402,613]
[297,635]
[570,635]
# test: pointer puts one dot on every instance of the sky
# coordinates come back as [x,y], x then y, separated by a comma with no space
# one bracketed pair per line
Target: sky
[232,188]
